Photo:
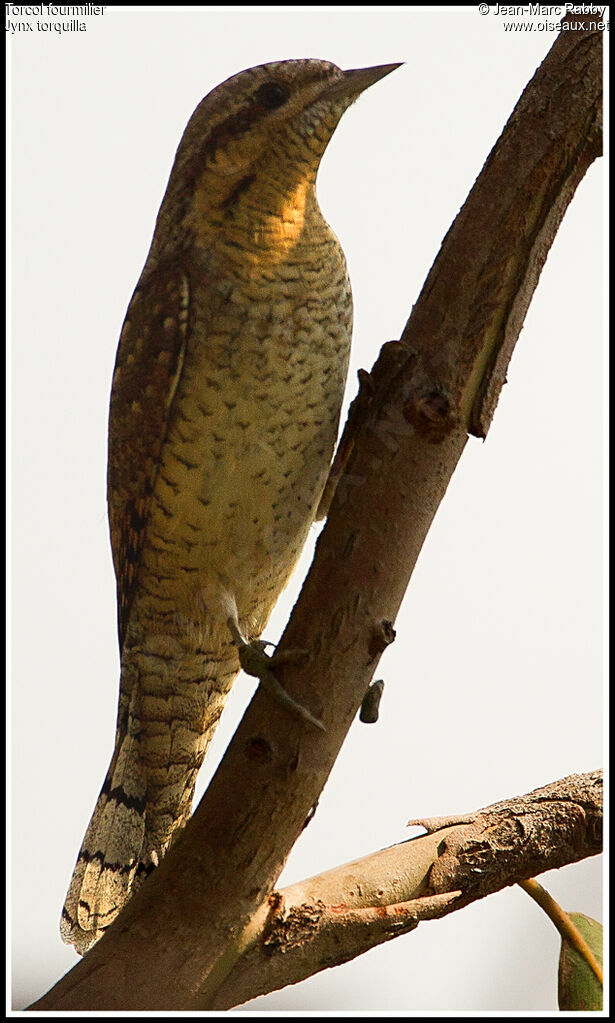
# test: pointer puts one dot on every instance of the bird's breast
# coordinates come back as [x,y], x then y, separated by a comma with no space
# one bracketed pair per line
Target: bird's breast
[253,425]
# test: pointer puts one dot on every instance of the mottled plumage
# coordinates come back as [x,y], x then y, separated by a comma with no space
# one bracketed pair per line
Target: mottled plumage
[224,411]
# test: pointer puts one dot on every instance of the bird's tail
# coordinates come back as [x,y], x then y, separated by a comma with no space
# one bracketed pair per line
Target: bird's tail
[146,798]
[110,862]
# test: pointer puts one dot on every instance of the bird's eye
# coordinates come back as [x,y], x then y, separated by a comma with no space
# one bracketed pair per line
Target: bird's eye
[272,95]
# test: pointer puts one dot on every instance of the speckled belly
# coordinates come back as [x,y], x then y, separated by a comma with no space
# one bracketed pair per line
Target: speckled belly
[247,457]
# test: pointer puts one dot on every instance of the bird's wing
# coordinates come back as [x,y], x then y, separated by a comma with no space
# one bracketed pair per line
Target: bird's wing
[148,368]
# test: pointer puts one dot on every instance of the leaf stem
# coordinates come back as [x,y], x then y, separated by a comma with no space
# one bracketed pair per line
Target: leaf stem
[563,923]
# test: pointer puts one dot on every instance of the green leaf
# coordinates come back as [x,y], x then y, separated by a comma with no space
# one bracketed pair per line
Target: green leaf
[578,987]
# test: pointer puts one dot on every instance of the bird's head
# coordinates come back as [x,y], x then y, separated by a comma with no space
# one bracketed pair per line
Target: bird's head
[259,137]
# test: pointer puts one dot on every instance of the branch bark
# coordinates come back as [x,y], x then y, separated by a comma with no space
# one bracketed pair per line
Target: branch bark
[334,917]
[185,930]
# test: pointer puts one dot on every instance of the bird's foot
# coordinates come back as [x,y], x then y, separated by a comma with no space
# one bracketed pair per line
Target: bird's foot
[260,665]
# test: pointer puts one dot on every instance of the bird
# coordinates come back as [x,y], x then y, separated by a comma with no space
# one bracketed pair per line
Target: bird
[225,404]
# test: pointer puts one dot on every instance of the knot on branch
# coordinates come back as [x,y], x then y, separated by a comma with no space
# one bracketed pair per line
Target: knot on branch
[382,635]
[393,357]
[431,412]
[259,749]
[511,841]
[293,927]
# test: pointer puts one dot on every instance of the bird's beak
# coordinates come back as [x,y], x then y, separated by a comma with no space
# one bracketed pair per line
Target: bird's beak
[356,81]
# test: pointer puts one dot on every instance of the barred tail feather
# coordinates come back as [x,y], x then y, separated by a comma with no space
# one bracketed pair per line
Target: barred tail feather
[146,798]
[110,860]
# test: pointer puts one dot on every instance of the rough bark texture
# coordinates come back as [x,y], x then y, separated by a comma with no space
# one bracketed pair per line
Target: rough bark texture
[329,919]
[183,933]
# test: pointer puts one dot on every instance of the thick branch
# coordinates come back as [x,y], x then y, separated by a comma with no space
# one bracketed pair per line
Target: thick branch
[334,917]
[181,935]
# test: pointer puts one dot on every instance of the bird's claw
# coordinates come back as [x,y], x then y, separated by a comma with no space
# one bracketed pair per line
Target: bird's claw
[256,662]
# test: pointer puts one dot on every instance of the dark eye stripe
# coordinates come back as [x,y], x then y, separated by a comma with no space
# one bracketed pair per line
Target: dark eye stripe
[241,187]
[269,96]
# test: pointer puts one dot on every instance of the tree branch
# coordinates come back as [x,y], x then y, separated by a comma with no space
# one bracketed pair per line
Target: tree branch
[336,916]
[185,929]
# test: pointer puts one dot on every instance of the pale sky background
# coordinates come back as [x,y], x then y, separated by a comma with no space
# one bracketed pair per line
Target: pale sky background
[494,684]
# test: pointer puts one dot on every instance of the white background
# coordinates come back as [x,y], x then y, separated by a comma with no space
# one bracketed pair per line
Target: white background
[494,684]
